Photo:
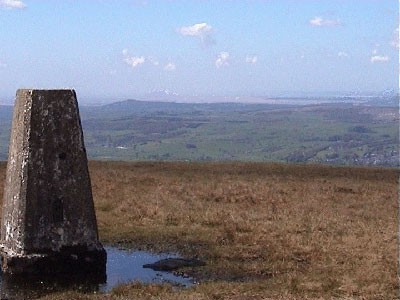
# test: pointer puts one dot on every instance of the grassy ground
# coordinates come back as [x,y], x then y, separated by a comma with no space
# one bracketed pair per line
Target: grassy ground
[265,230]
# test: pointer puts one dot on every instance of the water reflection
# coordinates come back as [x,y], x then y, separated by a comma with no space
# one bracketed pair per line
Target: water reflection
[122,266]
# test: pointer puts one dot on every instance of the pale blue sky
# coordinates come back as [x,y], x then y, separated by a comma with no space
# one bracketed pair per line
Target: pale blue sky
[125,48]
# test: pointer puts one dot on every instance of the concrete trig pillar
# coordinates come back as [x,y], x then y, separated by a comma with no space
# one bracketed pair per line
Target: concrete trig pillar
[48,221]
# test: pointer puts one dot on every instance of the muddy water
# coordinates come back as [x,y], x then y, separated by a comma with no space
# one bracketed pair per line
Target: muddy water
[122,266]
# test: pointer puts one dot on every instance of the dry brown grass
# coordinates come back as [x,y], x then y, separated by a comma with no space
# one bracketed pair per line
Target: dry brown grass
[265,230]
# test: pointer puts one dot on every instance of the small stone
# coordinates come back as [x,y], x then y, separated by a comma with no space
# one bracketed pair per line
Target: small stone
[172,264]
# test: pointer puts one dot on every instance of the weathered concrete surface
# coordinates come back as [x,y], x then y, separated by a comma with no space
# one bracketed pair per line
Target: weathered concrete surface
[48,203]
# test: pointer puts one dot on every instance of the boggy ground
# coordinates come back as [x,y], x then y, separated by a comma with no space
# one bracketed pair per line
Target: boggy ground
[265,230]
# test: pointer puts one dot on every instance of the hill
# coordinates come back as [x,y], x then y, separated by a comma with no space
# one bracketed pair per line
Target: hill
[330,133]
[265,230]
[334,133]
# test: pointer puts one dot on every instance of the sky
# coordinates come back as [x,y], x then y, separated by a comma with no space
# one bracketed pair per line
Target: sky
[127,48]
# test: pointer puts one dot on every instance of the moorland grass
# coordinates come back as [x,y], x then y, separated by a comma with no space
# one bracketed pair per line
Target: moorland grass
[265,230]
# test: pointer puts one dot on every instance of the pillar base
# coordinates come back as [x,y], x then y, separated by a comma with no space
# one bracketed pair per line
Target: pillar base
[69,260]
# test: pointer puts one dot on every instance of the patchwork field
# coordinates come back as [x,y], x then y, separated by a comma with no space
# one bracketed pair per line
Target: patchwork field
[265,230]
[331,133]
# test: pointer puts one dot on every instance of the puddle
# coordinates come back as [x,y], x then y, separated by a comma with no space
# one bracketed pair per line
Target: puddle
[125,266]
[122,266]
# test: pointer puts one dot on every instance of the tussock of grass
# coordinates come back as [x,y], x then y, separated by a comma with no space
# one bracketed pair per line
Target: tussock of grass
[265,230]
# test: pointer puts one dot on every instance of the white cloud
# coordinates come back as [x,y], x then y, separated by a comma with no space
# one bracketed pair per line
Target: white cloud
[343,54]
[12,4]
[170,66]
[251,59]
[379,58]
[134,61]
[322,22]
[222,59]
[200,30]
[153,60]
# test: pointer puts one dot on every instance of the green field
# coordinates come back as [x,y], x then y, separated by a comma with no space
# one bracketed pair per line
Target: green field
[334,134]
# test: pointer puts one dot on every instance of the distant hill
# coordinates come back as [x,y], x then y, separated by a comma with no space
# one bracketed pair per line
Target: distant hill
[155,130]
[130,108]
[391,101]
[152,106]
[5,112]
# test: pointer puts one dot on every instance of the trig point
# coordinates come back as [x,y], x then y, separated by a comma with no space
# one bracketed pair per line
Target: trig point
[48,223]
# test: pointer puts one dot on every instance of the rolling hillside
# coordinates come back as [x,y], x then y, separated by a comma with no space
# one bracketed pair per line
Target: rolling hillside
[331,133]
